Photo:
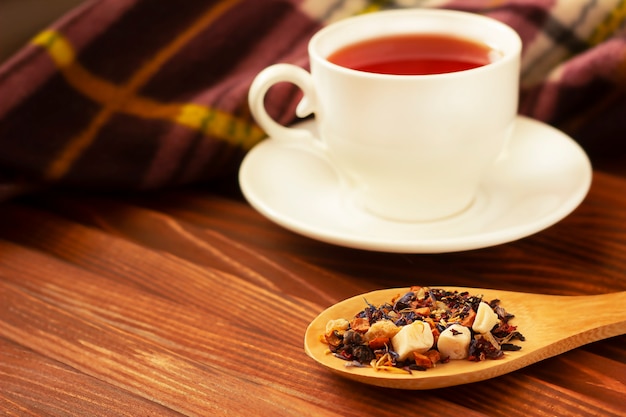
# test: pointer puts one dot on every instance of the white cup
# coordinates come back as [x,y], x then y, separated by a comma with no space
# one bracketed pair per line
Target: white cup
[413,147]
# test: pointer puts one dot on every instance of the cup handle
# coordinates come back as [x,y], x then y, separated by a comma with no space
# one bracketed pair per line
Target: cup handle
[259,88]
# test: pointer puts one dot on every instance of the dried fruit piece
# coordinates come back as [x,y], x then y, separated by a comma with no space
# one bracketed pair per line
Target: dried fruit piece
[340,325]
[378,343]
[422,360]
[485,319]
[383,328]
[414,337]
[434,356]
[360,324]
[454,342]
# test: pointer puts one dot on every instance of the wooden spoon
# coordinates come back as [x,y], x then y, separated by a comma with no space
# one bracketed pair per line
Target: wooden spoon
[551,325]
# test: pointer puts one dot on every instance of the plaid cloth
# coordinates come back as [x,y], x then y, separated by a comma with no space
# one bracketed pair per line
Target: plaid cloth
[142,94]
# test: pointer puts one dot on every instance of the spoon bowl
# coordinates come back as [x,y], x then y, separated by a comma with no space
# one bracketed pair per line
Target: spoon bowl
[551,324]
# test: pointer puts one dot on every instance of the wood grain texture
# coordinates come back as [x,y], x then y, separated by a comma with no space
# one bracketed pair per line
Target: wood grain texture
[188,303]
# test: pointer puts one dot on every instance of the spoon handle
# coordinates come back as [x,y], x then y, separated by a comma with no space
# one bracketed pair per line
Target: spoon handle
[575,320]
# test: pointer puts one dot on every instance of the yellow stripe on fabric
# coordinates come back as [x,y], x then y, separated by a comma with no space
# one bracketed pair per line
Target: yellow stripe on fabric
[63,55]
[610,25]
[374,6]
[219,123]
[116,98]
[60,50]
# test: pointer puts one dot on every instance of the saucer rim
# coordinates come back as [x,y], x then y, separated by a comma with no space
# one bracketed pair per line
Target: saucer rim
[447,244]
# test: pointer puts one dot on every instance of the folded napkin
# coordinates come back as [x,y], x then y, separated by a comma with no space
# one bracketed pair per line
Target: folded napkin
[144,94]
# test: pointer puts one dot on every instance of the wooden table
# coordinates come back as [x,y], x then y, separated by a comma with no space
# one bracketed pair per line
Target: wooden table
[191,303]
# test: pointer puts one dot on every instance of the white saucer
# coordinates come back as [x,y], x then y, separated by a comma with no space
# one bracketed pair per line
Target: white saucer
[542,179]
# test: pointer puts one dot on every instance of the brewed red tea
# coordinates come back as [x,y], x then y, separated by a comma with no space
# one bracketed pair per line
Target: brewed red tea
[413,54]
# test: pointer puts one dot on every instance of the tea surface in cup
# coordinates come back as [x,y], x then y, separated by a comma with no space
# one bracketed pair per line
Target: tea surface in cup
[414,54]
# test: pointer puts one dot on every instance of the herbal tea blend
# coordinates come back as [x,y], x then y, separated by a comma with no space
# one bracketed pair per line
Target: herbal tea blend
[421,328]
